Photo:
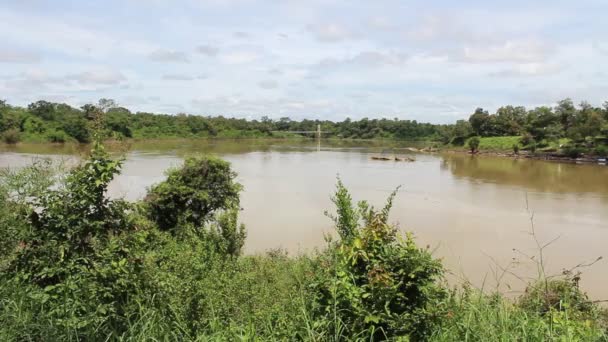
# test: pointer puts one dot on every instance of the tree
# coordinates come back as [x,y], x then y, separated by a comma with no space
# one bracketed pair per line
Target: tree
[192,194]
[106,104]
[510,120]
[566,113]
[473,144]
[77,127]
[42,109]
[117,119]
[479,121]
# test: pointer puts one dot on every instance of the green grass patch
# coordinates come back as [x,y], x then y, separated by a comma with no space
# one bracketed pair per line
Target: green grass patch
[498,143]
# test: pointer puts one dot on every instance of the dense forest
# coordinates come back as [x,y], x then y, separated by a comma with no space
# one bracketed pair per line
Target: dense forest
[77,265]
[576,129]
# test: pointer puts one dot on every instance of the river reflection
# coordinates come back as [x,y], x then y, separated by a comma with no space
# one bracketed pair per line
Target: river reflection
[472,209]
[529,174]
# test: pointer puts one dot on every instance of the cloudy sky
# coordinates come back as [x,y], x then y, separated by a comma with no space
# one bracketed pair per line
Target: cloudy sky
[432,61]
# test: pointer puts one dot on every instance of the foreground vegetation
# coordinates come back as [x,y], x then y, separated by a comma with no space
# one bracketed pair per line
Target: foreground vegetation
[564,129]
[77,265]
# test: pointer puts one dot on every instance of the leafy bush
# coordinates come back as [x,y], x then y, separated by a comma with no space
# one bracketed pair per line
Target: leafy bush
[57,136]
[515,148]
[572,151]
[203,196]
[527,139]
[559,294]
[473,144]
[458,141]
[375,281]
[82,250]
[601,151]
[11,136]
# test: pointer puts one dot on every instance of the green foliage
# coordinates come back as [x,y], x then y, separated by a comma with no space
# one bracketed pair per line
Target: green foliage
[57,136]
[503,143]
[202,196]
[80,250]
[527,139]
[77,127]
[515,148]
[373,280]
[42,109]
[475,316]
[473,144]
[572,151]
[11,136]
[76,265]
[545,296]
[601,150]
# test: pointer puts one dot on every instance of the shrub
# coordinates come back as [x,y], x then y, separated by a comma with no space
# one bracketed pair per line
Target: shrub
[57,136]
[515,148]
[601,151]
[559,294]
[473,144]
[11,136]
[373,280]
[202,196]
[82,251]
[572,151]
[527,139]
[458,141]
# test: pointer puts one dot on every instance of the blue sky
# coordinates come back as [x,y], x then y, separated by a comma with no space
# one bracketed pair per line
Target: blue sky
[432,61]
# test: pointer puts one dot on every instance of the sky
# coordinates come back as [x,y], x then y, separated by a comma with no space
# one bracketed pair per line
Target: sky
[431,61]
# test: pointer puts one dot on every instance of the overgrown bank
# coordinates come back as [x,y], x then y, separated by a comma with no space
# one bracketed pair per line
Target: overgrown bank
[76,265]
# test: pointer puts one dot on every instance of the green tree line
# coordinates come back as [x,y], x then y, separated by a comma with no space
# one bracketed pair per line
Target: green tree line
[584,126]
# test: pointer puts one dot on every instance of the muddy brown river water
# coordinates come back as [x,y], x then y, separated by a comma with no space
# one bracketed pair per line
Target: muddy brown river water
[471,210]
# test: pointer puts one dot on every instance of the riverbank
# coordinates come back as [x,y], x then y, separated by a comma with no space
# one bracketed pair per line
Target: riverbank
[489,146]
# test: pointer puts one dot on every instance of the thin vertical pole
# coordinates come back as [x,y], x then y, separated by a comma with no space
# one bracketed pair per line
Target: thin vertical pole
[318,137]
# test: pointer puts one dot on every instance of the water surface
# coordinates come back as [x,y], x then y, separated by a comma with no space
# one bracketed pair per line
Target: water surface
[475,211]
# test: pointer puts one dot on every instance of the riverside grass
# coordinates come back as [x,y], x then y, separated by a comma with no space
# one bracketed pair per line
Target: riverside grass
[142,283]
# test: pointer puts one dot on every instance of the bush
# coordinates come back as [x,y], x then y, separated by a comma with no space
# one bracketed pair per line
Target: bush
[202,196]
[83,251]
[515,148]
[57,136]
[562,294]
[374,281]
[458,141]
[11,136]
[527,139]
[473,144]
[572,151]
[601,151]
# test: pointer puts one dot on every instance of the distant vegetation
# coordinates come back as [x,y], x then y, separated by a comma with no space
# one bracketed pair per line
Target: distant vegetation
[77,265]
[565,128]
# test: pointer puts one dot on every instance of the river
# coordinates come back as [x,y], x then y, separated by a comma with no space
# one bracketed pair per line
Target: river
[475,212]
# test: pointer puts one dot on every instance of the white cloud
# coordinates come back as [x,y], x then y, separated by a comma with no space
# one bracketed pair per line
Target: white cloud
[18,57]
[268,84]
[208,50]
[331,33]
[366,58]
[529,70]
[239,57]
[509,52]
[164,55]
[97,76]
[241,35]
[177,77]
